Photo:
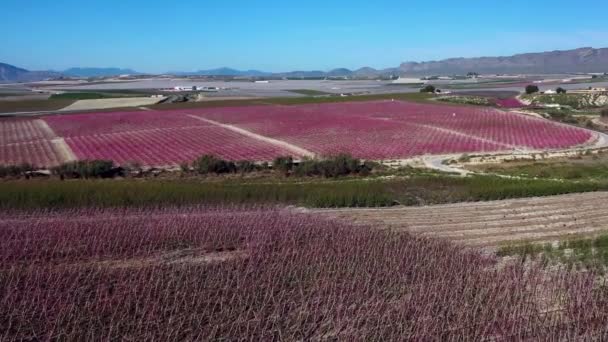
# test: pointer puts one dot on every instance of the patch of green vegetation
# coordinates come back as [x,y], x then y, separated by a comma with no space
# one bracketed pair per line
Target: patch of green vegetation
[309,92]
[113,193]
[481,84]
[568,170]
[470,100]
[408,189]
[286,101]
[588,253]
[91,95]
[34,105]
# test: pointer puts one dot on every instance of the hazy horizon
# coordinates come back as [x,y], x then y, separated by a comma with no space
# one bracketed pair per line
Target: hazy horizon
[154,37]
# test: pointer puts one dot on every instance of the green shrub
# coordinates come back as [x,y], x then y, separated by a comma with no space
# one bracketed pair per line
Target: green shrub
[531,89]
[428,89]
[246,166]
[283,164]
[15,170]
[210,164]
[86,169]
[340,165]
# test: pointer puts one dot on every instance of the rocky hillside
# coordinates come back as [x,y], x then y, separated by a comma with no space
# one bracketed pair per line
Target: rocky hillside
[10,73]
[578,60]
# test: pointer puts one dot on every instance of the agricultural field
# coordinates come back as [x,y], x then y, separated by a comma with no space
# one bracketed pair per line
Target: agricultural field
[584,166]
[394,129]
[263,273]
[493,224]
[378,130]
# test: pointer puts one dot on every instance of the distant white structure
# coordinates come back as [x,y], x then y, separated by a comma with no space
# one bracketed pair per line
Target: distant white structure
[550,92]
[405,80]
[180,88]
[262,82]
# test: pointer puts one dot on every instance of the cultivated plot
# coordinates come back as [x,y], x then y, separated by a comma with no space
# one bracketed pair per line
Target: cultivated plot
[395,129]
[270,274]
[496,223]
[378,130]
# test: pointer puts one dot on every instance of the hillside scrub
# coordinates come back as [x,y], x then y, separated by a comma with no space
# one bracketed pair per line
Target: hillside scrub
[575,101]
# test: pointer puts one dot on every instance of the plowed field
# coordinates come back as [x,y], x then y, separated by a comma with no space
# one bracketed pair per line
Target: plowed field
[495,223]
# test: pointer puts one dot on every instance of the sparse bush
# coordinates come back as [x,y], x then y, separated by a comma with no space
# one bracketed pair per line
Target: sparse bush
[340,165]
[15,170]
[86,169]
[428,89]
[210,164]
[245,166]
[283,164]
[531,89]
[184,167]
[465,158]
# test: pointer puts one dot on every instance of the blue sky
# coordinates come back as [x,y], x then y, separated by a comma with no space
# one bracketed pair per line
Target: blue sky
[158,36]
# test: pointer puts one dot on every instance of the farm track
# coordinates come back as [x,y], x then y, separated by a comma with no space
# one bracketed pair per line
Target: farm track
[494,223]
[299,151]
[63,150]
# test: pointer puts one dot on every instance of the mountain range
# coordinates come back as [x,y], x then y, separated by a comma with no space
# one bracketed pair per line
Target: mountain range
[98,72]
[585,59]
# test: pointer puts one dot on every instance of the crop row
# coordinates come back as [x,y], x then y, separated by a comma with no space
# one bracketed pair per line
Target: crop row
[22,130]
[39,153]
[117,122]
[268,274]
[365,120]
[172,146]
[367,130]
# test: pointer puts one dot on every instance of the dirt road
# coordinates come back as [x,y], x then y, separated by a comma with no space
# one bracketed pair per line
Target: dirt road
[494,223]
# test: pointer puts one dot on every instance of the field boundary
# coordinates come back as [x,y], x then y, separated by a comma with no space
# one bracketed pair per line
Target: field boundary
[64,150]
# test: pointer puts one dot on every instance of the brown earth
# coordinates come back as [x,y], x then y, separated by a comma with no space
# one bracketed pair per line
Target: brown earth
[495,223]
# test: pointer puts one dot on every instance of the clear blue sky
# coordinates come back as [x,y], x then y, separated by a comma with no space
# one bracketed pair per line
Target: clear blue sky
[273,35]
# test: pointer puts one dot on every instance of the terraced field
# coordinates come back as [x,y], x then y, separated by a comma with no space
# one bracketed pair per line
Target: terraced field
[495,223]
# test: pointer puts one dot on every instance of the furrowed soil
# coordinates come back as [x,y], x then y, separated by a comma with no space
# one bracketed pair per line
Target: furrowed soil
[495,223]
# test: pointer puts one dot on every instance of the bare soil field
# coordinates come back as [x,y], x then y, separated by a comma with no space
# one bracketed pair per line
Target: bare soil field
[111,103]
[495,223]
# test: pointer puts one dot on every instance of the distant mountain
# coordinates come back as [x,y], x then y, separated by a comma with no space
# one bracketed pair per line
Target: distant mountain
[579,60]
[222,72]
[10,73]
[301,74]
[583,60]
[98,72]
